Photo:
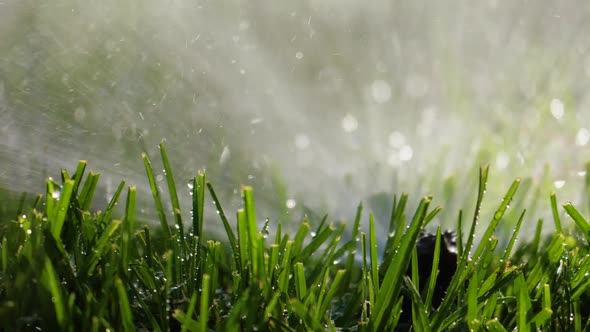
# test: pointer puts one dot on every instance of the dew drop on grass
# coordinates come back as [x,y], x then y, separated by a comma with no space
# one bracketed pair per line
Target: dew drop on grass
[313,234]
[56,194]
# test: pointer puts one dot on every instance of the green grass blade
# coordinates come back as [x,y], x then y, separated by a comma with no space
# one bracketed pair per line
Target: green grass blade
[199,203]
[582,224]
[373,254]
[204,314]
[434,269]
[101,246]
[190,311]
[228,230]
[50,280]
[86,195]
[555,213]
[62,208]
[300,286]
[513,238]
[483,179]
[392,282]
[156,194]
[125,308]
[113,202]
[170,180]
[128,226]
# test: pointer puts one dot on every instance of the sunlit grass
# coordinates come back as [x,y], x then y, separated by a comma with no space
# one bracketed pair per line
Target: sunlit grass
[67,267]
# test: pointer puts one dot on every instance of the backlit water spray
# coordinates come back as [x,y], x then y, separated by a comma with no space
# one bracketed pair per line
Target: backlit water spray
[317,104]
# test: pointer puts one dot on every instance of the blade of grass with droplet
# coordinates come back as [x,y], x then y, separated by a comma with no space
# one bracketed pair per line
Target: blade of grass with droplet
[101,246]
[113,202]
[483,179]
[433,270]
[392,281]
[50,199]
[61,210]
[156,195]
[582,224]
[252,229]
[170,180]
[86,195]
[198,203]
[419,318]
[513,238]
[50,280]
[315,243]
[472,306]
[373,254]
[228,230]
[336,284]
[285,268]
[497,217]
[300,236]
[127,231]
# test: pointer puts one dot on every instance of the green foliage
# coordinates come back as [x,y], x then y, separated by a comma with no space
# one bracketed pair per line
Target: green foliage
[66,267]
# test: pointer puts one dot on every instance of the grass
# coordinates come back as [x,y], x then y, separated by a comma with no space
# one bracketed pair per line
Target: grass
[66,267]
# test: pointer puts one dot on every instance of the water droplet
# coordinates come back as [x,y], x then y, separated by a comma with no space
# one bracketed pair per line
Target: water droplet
[582,137]
[302,141]
[299,55]
[559,184]
[557,108]
[349,123]
[502,160]
[291,203]
[380,91]
[406,153]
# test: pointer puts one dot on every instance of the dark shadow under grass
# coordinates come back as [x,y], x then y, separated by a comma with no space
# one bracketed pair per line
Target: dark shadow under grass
[63,267]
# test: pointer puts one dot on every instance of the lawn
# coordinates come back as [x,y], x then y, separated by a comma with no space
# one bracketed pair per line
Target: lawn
[67,266]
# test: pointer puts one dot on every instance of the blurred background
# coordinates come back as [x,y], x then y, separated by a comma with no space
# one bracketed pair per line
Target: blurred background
[317,104]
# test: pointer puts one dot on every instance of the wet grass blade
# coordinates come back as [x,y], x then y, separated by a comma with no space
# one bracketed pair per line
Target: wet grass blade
[204,313]
[156,194]
[62,208]
[555,213]
[125,308]
[101,246]
[228,230]
[392,281]
[582,224]
[113,202]
[199,203]
[50,280]
[128,226]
